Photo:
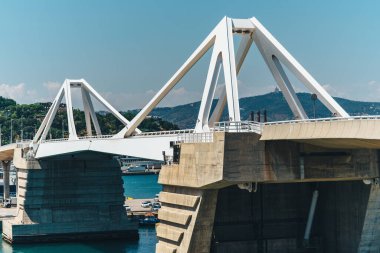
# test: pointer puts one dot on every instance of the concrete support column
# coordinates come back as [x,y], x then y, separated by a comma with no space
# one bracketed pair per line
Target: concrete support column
[6,167]
[69,197]
[370,237]
[187,220]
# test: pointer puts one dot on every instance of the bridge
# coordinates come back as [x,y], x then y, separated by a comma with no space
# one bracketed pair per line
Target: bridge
[279,168]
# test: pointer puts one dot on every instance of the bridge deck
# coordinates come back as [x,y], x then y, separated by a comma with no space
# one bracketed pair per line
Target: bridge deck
[343,133]
[354,132]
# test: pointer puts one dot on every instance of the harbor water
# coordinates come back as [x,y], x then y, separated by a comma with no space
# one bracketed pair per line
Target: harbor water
[141,186]
[137,186]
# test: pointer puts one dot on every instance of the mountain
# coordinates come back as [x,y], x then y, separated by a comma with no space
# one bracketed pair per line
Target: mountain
[275,105]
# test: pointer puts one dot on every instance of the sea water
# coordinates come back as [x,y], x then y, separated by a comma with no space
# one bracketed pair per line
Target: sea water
[136,186]
[141,186]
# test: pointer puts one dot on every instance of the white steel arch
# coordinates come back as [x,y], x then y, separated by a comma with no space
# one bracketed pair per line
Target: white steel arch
[130,140]
[223,55]
[90,115]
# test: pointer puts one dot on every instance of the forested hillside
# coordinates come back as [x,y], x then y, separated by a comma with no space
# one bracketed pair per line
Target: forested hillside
[25,120]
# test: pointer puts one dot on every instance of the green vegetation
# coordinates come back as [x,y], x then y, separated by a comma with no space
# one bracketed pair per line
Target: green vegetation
[26,119]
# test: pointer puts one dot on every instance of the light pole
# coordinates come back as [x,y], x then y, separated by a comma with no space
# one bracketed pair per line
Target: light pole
[0,135]
[314,97]
[11,131]
[22,130]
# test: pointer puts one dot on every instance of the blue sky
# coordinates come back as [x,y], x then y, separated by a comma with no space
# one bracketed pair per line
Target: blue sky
[128,49]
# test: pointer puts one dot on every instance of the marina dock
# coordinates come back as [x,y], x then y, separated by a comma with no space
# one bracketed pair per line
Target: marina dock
[137,209]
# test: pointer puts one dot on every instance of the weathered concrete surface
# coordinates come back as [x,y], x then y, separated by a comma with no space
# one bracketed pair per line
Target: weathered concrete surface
[341,133]
[242,157]
[202,165]
[274,218]
[7,151]
[6,169]
[370,236]
[8,213]
[69,197]
[187,217]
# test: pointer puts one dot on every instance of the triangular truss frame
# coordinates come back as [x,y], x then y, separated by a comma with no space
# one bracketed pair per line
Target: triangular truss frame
[223,55]
[89,111]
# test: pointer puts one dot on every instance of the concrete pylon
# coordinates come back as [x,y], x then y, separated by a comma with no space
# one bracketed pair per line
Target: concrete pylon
[69,197]
[370,236]
[6,167]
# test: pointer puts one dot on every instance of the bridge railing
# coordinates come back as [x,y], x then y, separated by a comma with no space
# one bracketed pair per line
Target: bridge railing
[224,126]
[169,132]
[369,117]
[95,137]
[55,140]
[196,137]
[80,138]
[237,126]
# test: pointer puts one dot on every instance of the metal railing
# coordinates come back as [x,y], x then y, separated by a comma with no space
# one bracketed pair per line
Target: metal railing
[237,126]
[169,132]
[22,143]
[108,136]
[369,117]
[80,138]
[55,140]
[196,137]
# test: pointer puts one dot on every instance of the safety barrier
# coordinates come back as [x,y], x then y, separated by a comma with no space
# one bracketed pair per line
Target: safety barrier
[196,137]
[238,126]
[368,117]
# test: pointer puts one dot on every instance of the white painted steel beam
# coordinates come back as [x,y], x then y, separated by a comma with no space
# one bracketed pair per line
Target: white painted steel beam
[283,82]
[267,48]
[148,147]
[224,34]
[50,117]
[244,46]
[222,54]
[229,69]
[114,112]
[270,46]
[86,111]
[181,72]
[45,123]
[69,110]
[91,112]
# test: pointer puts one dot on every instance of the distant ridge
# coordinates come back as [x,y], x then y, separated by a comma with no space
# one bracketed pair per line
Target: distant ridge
[274,103]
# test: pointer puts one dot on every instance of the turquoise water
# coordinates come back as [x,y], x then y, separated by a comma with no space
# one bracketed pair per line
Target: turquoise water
[146,244]
[139,186]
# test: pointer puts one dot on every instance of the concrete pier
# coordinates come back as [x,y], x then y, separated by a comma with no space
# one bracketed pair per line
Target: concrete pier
[6,169]
[370,236]
[273,219]
[240,194]
[69,197]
